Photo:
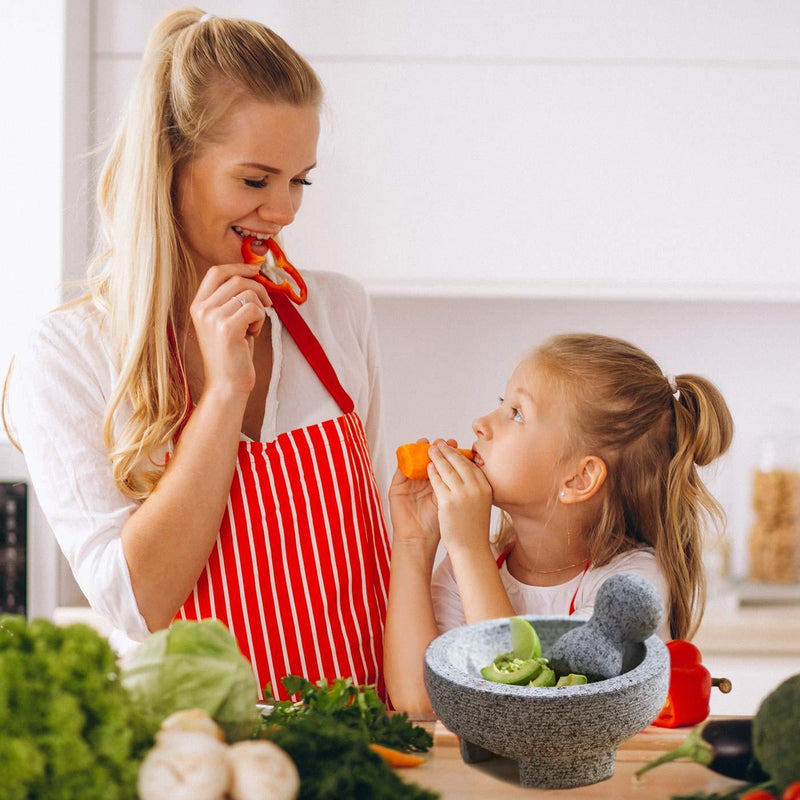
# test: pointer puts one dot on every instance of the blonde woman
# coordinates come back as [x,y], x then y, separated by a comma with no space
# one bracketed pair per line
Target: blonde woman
[592,455]
[201,445]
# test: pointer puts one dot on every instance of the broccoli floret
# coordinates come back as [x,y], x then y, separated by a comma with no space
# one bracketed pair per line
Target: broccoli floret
[70,730]
[776,733]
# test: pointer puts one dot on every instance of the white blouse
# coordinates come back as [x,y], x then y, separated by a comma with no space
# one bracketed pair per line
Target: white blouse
[64,375]
[550,600]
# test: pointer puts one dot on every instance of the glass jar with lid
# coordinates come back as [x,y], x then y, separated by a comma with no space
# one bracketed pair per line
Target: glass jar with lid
[774,540]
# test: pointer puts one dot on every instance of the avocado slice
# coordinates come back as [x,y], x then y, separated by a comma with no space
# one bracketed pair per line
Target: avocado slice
[507,669]
[573,679]
[547,677]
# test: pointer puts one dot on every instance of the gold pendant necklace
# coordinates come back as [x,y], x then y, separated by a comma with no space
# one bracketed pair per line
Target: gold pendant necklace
[553,571]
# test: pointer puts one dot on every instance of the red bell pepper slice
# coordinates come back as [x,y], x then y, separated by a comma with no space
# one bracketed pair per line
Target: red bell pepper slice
[281,262]
[689,687]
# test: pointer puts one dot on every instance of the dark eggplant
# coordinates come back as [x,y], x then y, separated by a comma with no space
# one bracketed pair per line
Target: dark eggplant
[723,745]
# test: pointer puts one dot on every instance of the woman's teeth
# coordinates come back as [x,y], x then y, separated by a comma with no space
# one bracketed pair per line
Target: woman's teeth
[478,460]
[244,233]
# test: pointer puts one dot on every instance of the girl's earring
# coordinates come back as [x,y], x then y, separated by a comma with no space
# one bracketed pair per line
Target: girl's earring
[562,493]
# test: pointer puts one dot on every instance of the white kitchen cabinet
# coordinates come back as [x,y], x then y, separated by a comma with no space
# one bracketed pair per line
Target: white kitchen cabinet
[548,149]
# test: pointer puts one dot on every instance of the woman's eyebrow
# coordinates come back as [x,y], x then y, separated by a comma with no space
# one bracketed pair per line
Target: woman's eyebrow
[271,170]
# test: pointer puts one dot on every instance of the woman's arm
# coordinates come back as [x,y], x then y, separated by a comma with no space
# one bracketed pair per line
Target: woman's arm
[168,540]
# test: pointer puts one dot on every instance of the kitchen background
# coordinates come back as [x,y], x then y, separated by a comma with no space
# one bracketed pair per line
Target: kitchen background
[492,177]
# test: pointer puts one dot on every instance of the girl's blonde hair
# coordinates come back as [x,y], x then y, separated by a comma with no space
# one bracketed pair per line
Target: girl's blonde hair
[191,74]
[652,432]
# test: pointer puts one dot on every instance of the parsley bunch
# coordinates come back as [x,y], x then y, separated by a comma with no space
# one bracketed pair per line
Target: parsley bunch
[356,707]
[327,732]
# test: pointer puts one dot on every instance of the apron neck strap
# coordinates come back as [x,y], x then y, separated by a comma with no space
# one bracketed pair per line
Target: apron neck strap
[311,349]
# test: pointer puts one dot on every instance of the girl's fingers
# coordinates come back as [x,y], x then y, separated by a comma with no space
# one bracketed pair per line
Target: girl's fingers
[450,463]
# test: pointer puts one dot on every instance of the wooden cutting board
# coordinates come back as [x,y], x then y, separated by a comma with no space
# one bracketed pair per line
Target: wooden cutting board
[643,747]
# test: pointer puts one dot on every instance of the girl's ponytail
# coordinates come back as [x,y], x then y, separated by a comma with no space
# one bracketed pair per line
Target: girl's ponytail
[703,432]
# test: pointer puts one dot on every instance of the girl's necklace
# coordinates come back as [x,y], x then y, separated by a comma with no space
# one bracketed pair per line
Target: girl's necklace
[553,571]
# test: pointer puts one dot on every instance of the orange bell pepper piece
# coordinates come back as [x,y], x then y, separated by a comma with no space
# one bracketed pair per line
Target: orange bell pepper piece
[396,758]
[413,459]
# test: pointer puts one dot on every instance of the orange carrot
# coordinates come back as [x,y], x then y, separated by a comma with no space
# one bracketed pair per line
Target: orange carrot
[396,758]
[412,459]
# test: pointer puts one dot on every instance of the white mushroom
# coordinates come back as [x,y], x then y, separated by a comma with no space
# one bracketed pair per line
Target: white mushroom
[262,771]
[193,719]
[185,765]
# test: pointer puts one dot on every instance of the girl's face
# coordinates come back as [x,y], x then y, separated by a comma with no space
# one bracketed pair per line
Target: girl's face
[521,445]
[249,181]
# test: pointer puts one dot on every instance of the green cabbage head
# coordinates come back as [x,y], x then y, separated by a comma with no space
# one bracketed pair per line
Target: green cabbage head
[194,665]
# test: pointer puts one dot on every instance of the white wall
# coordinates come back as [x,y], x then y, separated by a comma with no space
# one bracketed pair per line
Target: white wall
[32,45]
[493,177]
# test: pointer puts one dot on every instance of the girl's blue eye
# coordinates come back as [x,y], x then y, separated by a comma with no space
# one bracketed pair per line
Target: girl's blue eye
[516,415]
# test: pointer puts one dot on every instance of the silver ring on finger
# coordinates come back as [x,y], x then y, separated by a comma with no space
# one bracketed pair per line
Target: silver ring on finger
[240,299]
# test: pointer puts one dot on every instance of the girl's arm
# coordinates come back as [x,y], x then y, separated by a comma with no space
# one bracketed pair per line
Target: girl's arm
[464,499]
[410,623]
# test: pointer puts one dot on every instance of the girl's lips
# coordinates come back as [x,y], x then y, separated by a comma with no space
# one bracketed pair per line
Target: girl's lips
[478,461]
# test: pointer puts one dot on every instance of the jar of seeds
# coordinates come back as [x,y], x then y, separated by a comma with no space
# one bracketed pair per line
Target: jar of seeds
[774,541]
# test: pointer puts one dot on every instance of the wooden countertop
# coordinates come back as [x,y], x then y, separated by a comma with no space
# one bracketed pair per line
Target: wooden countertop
[447,774]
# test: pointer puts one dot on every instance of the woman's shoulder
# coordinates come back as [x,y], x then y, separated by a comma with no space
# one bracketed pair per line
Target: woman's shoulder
[72,334]
[334,298]
[335,286]
[78,322]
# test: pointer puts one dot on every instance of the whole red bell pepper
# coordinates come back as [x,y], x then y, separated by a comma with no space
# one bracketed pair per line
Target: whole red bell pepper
[689,687]
[285,287]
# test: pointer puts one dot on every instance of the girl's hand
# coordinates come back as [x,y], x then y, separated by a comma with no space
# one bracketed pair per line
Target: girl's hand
[228,313]
[463,497]
[412,505]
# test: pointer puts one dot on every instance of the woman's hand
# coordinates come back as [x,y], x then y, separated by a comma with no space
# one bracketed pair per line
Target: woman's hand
[228,312]
[463,497]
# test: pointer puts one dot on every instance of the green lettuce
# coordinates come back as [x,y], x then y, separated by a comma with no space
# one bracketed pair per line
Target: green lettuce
[195,665]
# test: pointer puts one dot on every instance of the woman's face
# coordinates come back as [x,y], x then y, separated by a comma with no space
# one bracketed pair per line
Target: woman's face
[248,182]
[521,445]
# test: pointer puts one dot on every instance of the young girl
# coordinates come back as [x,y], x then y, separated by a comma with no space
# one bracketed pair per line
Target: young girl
[592,457]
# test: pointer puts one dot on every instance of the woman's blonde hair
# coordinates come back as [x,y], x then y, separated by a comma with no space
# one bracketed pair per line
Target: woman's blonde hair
[194,68]
[653,432]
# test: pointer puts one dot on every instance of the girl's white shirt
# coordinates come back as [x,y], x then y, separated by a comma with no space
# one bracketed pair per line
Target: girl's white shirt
[549,600]
[64,375]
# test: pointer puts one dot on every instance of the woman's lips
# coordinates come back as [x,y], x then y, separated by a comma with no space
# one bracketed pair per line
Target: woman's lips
[258,245]
[478,461]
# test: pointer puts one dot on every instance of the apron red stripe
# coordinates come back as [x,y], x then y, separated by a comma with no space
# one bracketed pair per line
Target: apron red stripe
[318,610]
[372,503]
[332,470]
[341,633]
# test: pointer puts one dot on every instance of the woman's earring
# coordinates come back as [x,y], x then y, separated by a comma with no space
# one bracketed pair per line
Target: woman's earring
[562,493]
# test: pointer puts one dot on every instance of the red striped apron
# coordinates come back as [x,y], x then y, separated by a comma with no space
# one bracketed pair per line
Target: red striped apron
[300,569]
